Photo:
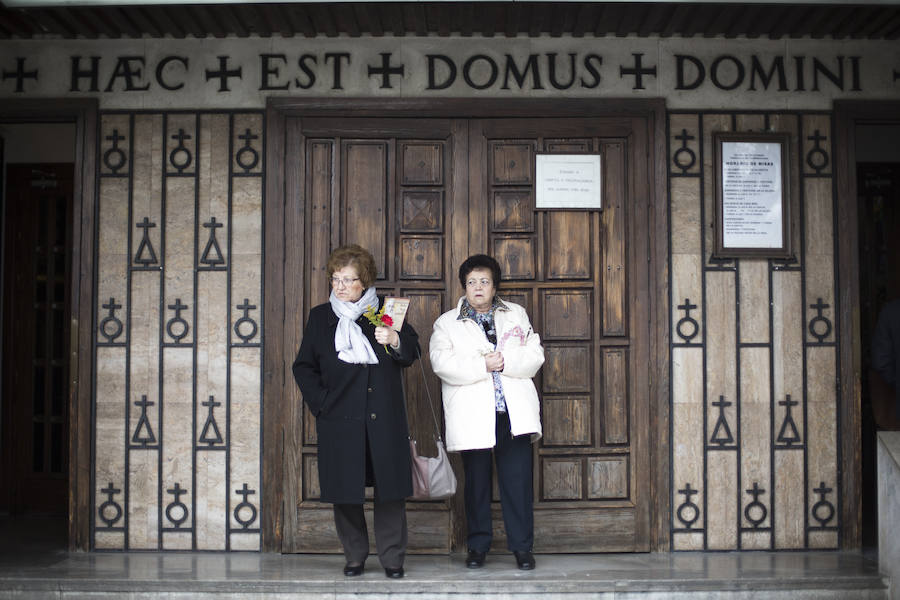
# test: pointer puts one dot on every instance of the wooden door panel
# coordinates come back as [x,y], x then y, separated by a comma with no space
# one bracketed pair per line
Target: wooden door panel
[569,246]
[423,194]
[365,195]
[588,497]
[613,240]
[386,189]
[615,396]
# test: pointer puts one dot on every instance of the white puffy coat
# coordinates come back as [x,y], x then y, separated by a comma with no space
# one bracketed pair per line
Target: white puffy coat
[457,350]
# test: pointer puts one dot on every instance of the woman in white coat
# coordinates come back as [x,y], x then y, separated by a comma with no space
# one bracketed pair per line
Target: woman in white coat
[486,353]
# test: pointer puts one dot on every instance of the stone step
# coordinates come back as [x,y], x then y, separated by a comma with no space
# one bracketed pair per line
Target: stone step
[656,576]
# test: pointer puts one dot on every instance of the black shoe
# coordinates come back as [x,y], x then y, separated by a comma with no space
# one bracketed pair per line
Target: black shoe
[354,570]
[394,573]
[525,560]
[475,559]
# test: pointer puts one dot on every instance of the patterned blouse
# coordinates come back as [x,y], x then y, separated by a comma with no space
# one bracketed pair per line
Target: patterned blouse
[486,321]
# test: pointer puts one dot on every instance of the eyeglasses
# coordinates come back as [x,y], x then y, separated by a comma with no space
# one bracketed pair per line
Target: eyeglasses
[476,282]
[347,281]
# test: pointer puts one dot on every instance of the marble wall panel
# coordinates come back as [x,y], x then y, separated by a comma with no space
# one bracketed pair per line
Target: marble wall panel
[687,427]
[212,332]
[822,444]
[685,207]
[110,400]
[245,445]
[179,176]
[179,253]
[818,207]
[791,124]
[755,435]
[213,180]
[816,152]
[787,340]
[248,147]
[721,507]
[147,179]
[687,290]
[178,427]
[754,300]
[143,508]
[711,124]
[112,249]
[771,355]
[750,122]
[684,144]
[180,143]
[688,542]
[115,138]
[721,374]
[144,346]
[211,517]
[787,505]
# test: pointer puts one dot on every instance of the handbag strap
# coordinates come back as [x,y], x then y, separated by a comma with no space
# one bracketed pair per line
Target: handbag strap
[437,427]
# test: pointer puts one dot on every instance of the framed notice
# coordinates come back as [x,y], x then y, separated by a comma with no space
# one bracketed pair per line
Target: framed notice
[752,200]
[567,182]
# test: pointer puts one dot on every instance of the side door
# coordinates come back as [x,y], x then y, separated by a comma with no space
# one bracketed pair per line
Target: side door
[582,276]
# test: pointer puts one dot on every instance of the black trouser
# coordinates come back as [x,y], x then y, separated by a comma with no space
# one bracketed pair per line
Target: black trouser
[513,457]
[390,532]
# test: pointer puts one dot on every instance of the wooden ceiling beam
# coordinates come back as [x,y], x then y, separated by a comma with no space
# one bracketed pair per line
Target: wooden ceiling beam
[144,21]
[119,20]
[161,15]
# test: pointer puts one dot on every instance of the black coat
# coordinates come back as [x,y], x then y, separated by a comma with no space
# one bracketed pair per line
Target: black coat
[886,348]
[351,402]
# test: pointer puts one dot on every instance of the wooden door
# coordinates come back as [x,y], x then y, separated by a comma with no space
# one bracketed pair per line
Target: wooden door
[583,281]
[35,338]
[423,195]
[389,186]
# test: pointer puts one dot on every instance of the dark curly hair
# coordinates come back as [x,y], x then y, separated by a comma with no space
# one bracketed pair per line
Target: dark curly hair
[355,256]
[479,261]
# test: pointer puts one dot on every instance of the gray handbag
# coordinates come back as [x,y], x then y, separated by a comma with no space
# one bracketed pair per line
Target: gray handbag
[432,478]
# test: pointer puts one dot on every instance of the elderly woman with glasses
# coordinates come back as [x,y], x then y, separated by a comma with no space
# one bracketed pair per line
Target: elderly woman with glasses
[349,372]
[486,353]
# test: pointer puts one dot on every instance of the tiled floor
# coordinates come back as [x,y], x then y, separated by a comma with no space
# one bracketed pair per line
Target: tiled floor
[35,565]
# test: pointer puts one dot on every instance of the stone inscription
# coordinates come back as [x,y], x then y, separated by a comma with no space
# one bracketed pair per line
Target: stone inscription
[476,72]
[243,73]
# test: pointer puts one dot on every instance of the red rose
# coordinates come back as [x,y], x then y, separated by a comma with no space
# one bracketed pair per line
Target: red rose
[387,320]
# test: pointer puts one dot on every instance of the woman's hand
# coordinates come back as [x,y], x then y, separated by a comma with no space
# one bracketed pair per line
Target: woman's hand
[386,335]
[493,361]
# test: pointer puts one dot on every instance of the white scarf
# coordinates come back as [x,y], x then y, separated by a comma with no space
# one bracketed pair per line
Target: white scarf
[349,342]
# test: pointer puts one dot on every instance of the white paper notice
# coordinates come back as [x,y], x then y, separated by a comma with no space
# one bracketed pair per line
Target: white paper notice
[752,214]
[567,181]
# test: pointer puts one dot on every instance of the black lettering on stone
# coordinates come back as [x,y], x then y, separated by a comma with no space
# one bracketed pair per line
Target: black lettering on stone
[594,71]
[714,72]
[854,69]
[777,68]
[267,69]
[798,67]
[531,66]
[433,59]
[337,57]
[836,78]
[160,70]
[638,71]
[467,72]
[129,73]
[310,74]
[551,71]
[223,74]
[77,74]
[699,74]
[20,74]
